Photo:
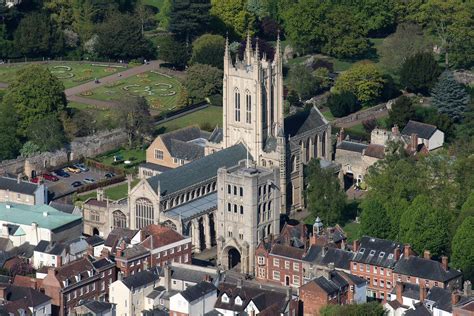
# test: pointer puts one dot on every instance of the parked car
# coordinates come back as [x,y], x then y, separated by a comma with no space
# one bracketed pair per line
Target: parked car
[110,175]
[73,169]
[50,177]
[76,184]
[89,180]
[36,180]
[61,173]
[81,166]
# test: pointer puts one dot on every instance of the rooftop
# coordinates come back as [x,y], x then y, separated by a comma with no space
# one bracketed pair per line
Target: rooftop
[198,170]
[376,251]
[21,186]
[194,207]
[425,268]
[304,121]
[158,236]
[352,146]
[323,256]
[422,130]
[197,291]
[43,215]
[140,279]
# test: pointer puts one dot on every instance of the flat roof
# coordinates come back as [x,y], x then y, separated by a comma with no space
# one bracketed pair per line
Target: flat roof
[43,215]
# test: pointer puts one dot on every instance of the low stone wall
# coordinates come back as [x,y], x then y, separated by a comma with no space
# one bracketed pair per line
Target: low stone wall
[78,149]
[372,112]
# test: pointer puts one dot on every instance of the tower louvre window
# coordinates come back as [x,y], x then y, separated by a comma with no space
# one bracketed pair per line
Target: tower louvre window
[248,104]
[237,105]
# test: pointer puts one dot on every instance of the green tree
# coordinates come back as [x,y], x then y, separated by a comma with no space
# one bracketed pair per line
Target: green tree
[47,133]
[173,52]
[342,104]
[324,195]
[321,75]
[374,219]
[419,73]
[364,80]
[302,81]
[233,14]
[424,226]
[29,149]
[462,251]
[189,18]
[450,97]
[35,94]
[120,37]
[401,112]
[9,141]
[134,115]
[84,13]
[404,43]
[467,209]
[203,81]
[208,49]
[367,309]
[379,16]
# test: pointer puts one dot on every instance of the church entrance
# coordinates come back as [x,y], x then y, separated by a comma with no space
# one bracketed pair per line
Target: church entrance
[95,231]
[234,258]
[348,180]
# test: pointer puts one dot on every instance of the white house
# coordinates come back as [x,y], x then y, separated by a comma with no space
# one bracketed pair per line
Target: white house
[22,192]
[33,223]
[428,135]
[196,300]
[55,254]
[179,276]
[129,295]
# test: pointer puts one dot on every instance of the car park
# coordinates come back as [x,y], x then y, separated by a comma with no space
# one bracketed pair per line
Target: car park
[81,167]
[89,180]
[50,177]
[36,180]
[76,184]
[110,175]
[61,173]
[74,169]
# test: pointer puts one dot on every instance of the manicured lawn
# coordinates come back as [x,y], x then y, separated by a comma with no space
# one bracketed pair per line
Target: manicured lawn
[161,91]
[209,118]
[135,156]
[119,191]
[70,73]
[352,231]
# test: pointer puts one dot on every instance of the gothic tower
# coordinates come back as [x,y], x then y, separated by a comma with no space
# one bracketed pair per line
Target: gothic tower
[252,99]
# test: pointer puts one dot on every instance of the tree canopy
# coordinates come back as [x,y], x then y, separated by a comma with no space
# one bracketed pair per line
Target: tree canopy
[203,81]
[450,97]
[463,254]
[419,73]
[208,49]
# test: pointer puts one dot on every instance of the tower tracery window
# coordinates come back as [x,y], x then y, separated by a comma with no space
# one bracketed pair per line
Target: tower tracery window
[248,107]
[144,213]
[237,105]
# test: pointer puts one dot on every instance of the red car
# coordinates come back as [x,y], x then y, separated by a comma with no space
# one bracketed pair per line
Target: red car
[35,180]
[50,177]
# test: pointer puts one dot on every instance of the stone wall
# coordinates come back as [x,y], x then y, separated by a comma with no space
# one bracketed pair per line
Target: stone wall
[79,148]
[373,112]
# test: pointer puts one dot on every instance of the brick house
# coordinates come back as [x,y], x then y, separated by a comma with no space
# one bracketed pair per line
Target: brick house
[79,280]
[424,270]
[280,264]
[335,287]
[131,259]
[318,259]
[374,260]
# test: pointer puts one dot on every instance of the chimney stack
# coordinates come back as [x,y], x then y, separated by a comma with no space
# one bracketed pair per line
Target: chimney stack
[399,291]
[341,135]
[167,273]
[396,253]
[18,178]
[467,288]
[3,293]
[239,283]
[423,292]
[444,263]
[414,141]
[395,130]
[455,297]
[355,245]
[289,293]
[406,251]
[427,254]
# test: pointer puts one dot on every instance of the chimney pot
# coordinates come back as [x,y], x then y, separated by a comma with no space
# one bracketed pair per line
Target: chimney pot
[427,254]
[239,283]
[395,130]
[455,297]
[444,263]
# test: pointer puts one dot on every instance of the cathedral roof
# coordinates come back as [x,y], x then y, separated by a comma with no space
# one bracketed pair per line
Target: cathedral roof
[217,135]
[303,121]
[198,170]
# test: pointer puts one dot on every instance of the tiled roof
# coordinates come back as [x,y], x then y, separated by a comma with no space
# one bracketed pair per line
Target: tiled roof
[340,258]
[95,202]
[50,247]
[216,136]
[418,310]
[441,298]
[422,130]
[70,271]
[153,166]
[62,207]
[179,143]
[198,170]
[197,291]
[375,151]
[132,252]
[376,251]
[287,251]
[43,215]
[27,295]
[140,279]
[118,233]
[13,185]
[303,121]
[95,240]
[97,307]
[161,236]
[425,268]
[189,274]
[352,146]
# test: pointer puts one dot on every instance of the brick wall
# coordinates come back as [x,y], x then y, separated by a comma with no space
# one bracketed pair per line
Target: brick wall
[379,280]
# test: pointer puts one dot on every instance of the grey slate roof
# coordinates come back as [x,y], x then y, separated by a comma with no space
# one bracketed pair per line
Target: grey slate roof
[425,268]
[217,135]
[382,254]
[197,291]
[421,129]
[351,146]
[441,298]
[418,310]
[327,286]
[340,258]
[179,145]
[198,170]
[52,248]
[21,187]
[194,207]
[303,121]
[188,274]
[140,279]
[97,306]
[153,166]
[30,296]
[95,240]
[63,207]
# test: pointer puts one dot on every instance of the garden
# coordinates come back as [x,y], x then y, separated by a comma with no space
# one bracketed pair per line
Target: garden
[207,119]
[70,73]
[126,159]
[161,90]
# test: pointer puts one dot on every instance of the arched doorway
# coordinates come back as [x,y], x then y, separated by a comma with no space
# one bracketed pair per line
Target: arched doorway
[234,258]
[95,231]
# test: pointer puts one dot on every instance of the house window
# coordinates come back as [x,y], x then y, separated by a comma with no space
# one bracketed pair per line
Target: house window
[248,105]
[389,285]
[261,260]
[171,251]
[261,272]
[375,270]
[186,246]
[158,154]
[382,271]
[235,208]
[354,266]
[93,287]
[296,280]
[361,267]
[94,216]
[185,258]
[102,287]
[276,262]
[175,160]
[367,268]
[237,105]
[287,264]
[296,266]
[375,282]
[276,275]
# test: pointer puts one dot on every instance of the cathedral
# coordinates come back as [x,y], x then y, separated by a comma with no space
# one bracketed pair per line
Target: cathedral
[252,170]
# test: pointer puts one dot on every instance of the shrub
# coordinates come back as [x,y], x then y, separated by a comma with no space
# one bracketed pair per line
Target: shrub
[342,104]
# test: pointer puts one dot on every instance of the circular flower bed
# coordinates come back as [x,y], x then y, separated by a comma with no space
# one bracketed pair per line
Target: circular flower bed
[127,87]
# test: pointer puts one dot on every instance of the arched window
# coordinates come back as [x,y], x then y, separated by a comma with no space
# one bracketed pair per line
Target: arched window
[293,163]
[144,213]
[264,163]
[323,145]
[237,105]
[120,220]
[248,107]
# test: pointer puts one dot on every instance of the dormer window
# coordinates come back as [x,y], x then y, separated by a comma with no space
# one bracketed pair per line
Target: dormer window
[361,250]
[238,301]
[372,252]
[225,298]
[382,254]
[390,256]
